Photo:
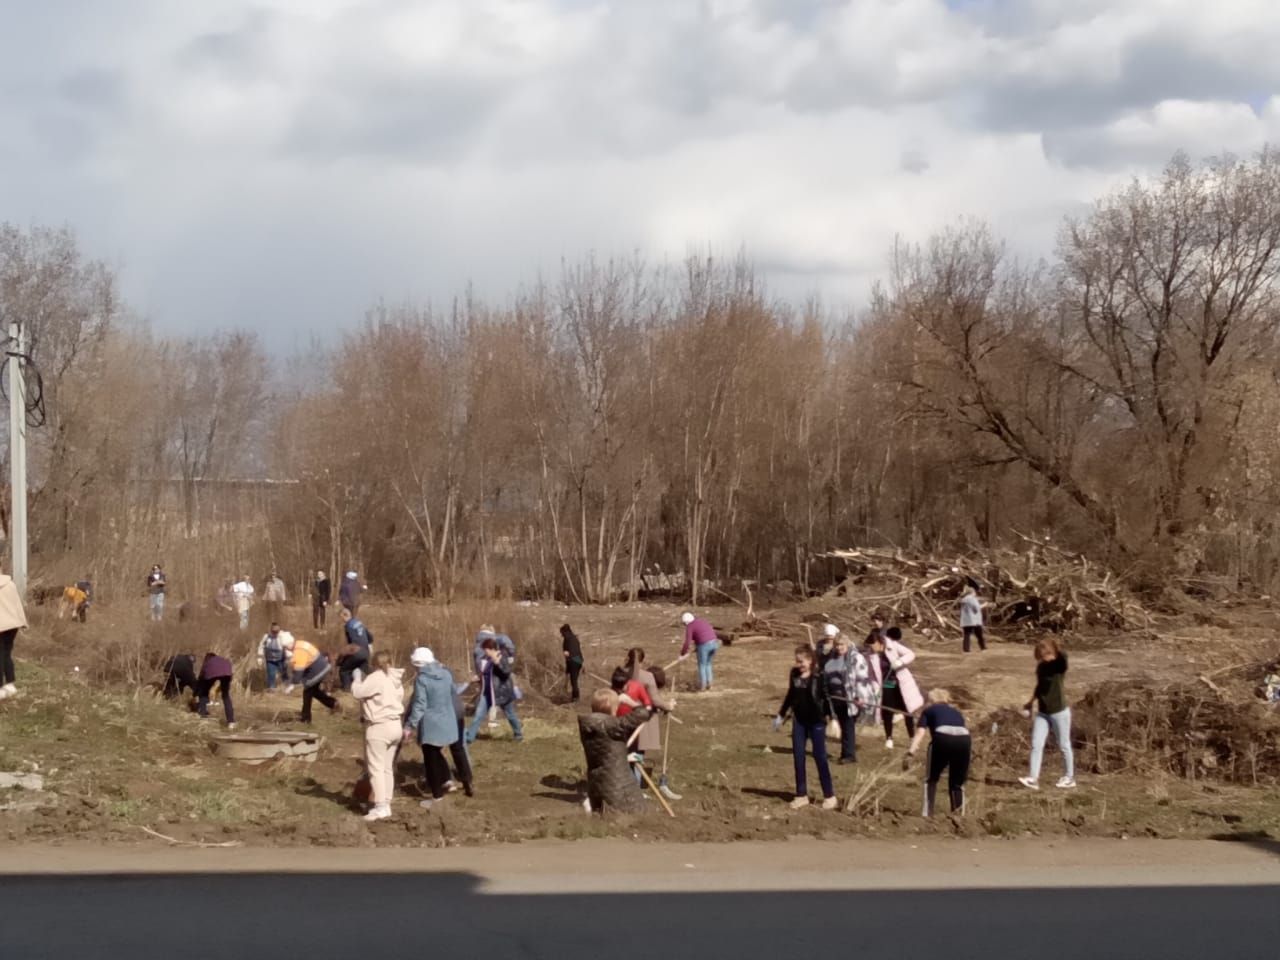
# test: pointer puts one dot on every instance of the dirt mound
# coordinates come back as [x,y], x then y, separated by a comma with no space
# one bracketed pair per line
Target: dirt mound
[1188,729]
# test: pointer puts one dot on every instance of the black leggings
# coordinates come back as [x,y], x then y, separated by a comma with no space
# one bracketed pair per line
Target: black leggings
[573,670]
[436,768]
[461,759]
[951,753]
[6,656]
[892,697]
[974,632]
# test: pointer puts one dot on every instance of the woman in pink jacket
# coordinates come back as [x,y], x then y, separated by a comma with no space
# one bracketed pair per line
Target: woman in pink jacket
[899,692]
[381,697]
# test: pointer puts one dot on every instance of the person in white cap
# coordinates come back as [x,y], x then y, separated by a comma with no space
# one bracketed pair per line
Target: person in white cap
[843,669]
[433,720]
[700,636]
[381,696]
[350,591]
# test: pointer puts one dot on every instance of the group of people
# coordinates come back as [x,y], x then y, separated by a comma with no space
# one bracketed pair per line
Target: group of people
[833,683]
[435,716]
[240,596]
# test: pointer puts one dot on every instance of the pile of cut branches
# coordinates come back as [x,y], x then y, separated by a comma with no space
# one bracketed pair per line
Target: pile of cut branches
[1045,587]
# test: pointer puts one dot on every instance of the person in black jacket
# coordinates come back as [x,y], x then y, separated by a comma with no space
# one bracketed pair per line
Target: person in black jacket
[321,594]
[572,660]
[810,708]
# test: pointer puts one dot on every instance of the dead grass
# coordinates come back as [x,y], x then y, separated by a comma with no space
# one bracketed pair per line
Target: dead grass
[118,759]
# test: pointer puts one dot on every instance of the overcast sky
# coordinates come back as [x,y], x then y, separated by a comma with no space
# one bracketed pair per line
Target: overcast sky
[281,164]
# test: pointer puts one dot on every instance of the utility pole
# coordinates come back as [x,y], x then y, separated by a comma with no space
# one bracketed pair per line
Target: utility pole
[18,457]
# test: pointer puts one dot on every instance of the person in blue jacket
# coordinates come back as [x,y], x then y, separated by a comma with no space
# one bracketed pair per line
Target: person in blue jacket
[433,720]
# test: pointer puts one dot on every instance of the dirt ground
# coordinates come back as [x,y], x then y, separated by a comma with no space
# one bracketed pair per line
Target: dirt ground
[116,759]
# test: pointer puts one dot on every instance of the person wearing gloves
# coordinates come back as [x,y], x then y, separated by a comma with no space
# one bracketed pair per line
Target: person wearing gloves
[899,692]
[310,667]
[700,636]
[433,720]
[12,619]
[497,689]
[488,632]
[605,736]
[950,749]
[356,655]
[842,670]
[274,656]
[971,618]
[321,594]
[381,697]
[1049,700]
[810,707]
[215,670]
[350,591]
[573,661]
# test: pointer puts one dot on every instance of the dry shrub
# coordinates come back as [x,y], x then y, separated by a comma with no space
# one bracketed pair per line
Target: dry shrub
[1185,730]
[450,630]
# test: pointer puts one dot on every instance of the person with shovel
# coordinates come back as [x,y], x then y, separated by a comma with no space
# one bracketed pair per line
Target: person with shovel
[573,661]
[950,749]
[700,636]
[899,692]
[650,740]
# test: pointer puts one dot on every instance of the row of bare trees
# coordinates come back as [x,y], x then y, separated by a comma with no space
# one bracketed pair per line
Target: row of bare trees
[1120,398]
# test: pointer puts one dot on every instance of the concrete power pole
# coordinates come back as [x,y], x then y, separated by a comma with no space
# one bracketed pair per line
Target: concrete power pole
[18,457]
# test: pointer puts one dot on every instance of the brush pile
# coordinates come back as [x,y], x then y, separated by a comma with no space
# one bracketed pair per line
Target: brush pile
[1046,587]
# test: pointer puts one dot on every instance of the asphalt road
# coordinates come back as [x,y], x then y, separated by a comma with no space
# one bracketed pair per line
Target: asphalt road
[314,915]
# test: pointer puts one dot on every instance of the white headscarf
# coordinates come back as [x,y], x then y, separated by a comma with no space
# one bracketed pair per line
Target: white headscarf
[422,656]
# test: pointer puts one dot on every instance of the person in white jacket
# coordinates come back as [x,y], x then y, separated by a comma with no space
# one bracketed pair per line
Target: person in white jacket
[381,697]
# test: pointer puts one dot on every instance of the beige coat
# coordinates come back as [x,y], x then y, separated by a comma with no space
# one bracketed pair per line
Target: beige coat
[11,613]
[650,739]
[381,695]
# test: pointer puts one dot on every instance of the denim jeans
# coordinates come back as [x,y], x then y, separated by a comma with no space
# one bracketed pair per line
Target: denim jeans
[705,652]
[157,606]
[1061,724]
[482,712]
[277,669]
[818,734]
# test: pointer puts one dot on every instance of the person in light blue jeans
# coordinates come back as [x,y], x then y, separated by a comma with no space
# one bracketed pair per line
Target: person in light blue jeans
[497,689]
[700,636]
[1052,713]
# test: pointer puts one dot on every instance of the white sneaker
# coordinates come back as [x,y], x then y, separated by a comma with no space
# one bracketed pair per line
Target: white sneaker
[4,693]
[888,744]
[1029,782]
[427,804]
[288,688]
[231,726]
[378,813]
[1067,783]
[799,803]
[450,787]
[830,803]
[9,690]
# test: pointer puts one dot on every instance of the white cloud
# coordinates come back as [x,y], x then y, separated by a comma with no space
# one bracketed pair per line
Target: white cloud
[282,163]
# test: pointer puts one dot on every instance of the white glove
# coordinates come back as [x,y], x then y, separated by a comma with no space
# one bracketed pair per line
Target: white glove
[777,724]
[357,674]
[261,662]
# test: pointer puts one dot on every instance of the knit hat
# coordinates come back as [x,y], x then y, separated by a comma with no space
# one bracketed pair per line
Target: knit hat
[686,618]
[351,575]
[422,656]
